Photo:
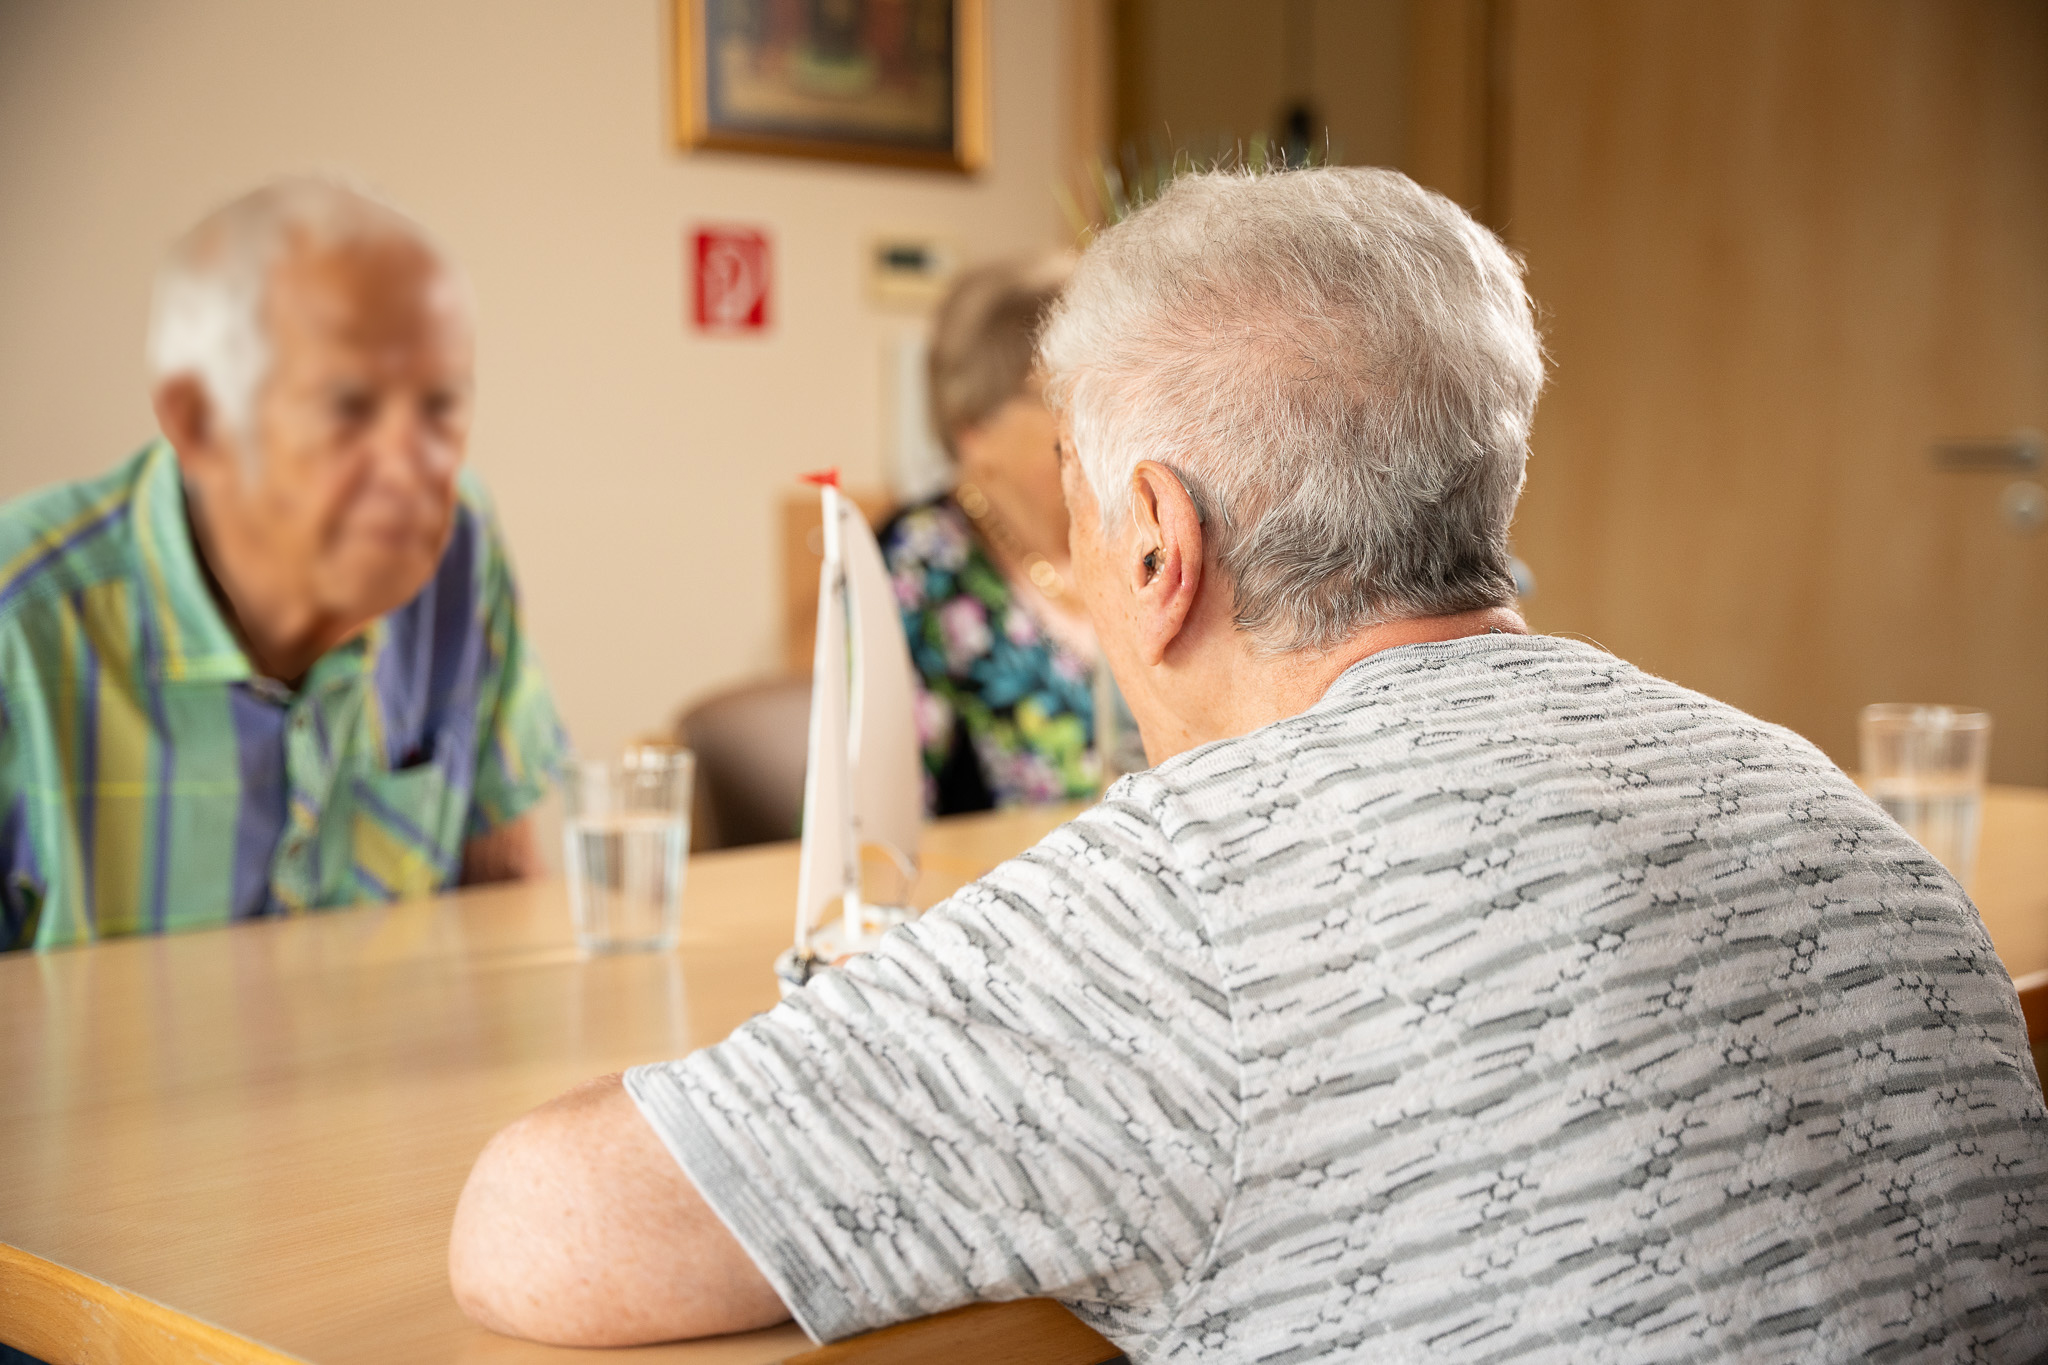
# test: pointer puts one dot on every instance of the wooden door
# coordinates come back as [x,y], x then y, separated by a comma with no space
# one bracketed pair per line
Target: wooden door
[1782,249]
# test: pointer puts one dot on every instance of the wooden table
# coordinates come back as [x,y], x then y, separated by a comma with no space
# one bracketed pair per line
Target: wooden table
[257,1134]
[265,1128]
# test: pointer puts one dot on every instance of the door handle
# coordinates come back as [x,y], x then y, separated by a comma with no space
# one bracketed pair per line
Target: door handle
[2024,449]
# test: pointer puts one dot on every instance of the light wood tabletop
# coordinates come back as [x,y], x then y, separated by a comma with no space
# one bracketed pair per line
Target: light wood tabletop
[264,1128]
[257,1135]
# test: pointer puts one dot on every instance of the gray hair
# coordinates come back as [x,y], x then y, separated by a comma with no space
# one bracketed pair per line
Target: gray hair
[1341,367]
[984,340]
[206,316]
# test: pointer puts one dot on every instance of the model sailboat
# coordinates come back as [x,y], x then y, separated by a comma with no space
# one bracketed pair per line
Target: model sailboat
[863,782]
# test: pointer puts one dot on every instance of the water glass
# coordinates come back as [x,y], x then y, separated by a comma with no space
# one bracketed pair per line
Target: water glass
[627,841]
[1925,766]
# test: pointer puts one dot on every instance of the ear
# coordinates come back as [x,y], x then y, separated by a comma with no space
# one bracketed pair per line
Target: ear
[1167,530]
[185,415]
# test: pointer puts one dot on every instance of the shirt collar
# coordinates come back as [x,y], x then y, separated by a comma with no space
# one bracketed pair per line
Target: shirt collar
[193,640]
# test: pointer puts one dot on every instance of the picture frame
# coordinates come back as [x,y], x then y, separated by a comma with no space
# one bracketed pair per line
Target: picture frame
[881,82]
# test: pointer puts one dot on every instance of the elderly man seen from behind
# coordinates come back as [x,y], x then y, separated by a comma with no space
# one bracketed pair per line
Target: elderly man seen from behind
[1444,993]
[274,661]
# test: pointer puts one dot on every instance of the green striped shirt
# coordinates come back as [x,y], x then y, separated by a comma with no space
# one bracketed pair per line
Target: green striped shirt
[151,781]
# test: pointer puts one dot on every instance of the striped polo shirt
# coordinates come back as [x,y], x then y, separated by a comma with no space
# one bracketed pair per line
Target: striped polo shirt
[151,781]
[1509,1004]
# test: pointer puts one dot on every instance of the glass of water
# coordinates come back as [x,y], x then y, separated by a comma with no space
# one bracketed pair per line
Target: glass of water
[627,841]
[1925,766]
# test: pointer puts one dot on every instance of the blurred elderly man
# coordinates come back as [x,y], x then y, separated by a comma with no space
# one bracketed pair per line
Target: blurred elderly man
[1444,993]
[274,661]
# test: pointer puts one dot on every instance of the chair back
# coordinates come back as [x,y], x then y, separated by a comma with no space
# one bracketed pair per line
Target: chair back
[750,743]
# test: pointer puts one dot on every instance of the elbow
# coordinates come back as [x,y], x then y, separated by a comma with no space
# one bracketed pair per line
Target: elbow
[479,1285]
[510,1271]
[578,1229]
[480,1295]
[490,1277]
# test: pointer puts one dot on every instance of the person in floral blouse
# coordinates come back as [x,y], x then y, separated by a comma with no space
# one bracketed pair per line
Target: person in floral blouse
[1004,653]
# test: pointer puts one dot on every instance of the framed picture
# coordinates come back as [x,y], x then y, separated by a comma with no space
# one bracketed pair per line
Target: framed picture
[892,82]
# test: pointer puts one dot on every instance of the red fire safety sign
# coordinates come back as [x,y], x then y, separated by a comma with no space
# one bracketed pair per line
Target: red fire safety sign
[731,272]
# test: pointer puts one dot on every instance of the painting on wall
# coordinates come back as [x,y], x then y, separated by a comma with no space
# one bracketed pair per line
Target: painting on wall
[894,82]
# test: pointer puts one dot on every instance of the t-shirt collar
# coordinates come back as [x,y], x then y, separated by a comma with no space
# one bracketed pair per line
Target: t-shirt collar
[1405,658]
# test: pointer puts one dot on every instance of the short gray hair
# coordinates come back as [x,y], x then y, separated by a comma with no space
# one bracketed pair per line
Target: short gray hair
[984,339]
[1340,365]
[206,316]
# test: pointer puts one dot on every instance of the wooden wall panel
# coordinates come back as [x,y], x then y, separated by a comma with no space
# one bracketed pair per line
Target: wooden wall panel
[1781,247]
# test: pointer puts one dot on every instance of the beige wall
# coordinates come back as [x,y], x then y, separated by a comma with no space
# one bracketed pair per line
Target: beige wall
[636,466]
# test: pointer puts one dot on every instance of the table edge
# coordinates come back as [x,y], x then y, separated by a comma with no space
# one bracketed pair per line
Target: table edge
[63,1316]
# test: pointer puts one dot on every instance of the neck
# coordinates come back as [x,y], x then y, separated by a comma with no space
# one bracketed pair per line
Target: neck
[283,635]
[1232,691]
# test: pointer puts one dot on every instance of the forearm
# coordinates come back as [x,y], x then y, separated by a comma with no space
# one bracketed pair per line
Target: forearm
[509,853]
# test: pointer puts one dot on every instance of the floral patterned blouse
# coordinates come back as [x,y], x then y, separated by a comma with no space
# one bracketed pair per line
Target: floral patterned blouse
[1005,713]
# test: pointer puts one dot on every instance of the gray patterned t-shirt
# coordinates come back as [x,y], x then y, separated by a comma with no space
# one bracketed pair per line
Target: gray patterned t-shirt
[1510,1004]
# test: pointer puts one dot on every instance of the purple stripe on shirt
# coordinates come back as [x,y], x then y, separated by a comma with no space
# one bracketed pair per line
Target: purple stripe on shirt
[399,823]
[377,889]
[21,876]
[259,823]
[430,665]
[166,772]
[86,775]
[26,575]
[320,730]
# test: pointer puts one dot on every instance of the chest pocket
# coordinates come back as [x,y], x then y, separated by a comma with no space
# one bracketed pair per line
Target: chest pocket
[401,835]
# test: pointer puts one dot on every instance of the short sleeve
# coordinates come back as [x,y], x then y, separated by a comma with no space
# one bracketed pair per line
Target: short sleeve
[1032,1090]
[520,744]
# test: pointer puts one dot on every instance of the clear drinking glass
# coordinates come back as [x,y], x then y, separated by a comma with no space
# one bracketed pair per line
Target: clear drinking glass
[1925,766]
[627,840]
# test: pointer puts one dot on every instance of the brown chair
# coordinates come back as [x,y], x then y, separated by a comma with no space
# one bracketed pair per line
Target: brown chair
[750,743]
[1027,1332]
[2033,993]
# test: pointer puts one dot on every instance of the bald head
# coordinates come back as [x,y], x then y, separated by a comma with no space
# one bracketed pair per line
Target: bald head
[211,317]
[313,361]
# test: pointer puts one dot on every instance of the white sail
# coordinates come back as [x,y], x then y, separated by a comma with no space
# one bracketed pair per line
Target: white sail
[829,849]
[863,780]
[887,768]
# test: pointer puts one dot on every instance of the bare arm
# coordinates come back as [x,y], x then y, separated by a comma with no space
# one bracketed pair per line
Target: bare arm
[508,853]
[578,1228]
